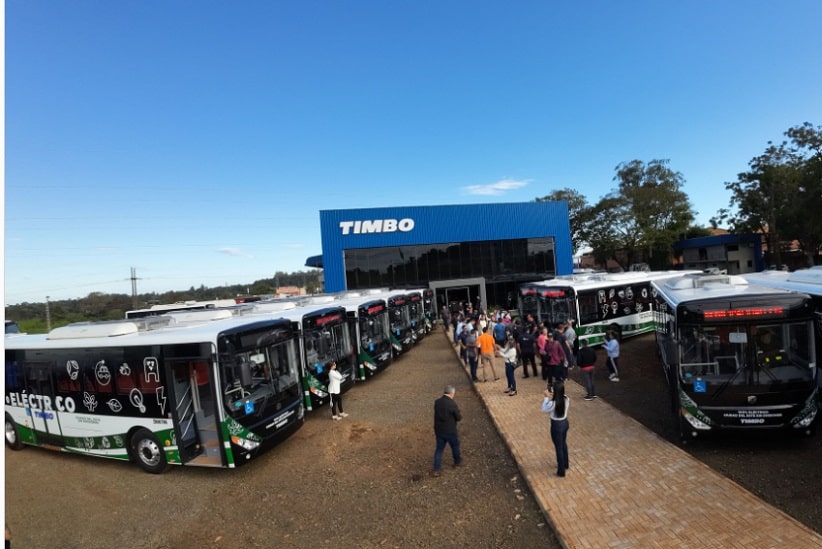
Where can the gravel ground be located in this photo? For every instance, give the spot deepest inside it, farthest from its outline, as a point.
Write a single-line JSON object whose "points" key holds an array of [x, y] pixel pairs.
{"points": [[358, 483]]}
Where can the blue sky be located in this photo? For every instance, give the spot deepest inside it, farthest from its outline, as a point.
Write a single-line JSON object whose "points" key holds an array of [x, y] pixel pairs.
{"points": [[197, 141]]}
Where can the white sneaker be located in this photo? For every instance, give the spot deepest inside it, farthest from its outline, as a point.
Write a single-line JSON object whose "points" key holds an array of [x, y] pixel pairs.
{"points": [[336, 417], [343, 414], [611, 377], [615, 378]]}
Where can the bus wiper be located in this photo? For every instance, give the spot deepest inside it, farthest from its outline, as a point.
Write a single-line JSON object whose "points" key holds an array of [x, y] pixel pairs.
{"points": [[730, 380]]}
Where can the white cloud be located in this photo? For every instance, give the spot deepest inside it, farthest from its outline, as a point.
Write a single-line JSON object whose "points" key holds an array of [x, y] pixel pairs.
{"points": [[236, 252], [496, 188]]}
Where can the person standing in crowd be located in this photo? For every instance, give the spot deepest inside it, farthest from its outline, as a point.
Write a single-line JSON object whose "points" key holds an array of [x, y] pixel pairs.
{"points": [[570, 336], [556, 403], [458, 329], [334, 380], [445, 314], [508, 351], [487, 348], [542, 350], [500, 332], [555, 358], [527, 346], [466, 331], [470, 343], [612, 350], [446, 416], [586, 358]]}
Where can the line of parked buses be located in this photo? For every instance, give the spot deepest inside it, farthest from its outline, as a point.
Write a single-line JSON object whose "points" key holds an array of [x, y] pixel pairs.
{"points": [[217, 383]]}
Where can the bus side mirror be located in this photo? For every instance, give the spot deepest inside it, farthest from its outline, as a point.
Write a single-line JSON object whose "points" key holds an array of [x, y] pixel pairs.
{"points": [[245, 373]]}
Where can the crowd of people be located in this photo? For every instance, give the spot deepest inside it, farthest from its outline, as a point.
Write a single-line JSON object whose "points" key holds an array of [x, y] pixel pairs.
{"points": [[525, 343], [482, 336]]}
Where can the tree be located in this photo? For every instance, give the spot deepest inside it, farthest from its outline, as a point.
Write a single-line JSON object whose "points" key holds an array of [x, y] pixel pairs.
{"points": [[780, 195], [805, 225], [578, 210], [643, 217]]}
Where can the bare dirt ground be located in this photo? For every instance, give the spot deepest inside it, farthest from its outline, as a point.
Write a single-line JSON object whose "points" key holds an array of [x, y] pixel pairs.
{"points": [[782, 470], [363, 482]]}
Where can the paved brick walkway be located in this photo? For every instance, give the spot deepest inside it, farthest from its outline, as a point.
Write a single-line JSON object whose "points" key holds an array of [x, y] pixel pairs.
{"points": [[627, 487]]}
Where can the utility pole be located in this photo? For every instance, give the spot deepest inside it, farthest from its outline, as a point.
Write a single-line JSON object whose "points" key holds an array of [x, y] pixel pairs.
{"points": [[133, 288], [48, 315]]}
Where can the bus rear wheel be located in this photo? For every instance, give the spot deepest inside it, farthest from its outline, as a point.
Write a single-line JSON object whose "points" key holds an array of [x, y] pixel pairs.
{"points": [[148, 453], [12, 434]]}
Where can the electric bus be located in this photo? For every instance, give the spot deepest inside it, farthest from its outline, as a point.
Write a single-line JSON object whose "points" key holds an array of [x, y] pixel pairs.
{"points": [[429, 303], [736, 355], [325, 336], [597, 302], [399, 319], [368, 318], [417, 316], [147, 390]]}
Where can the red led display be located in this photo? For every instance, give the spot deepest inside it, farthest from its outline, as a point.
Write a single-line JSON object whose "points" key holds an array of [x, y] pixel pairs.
{"points": [[327, 319], [375, 309], [747, 312], [553, 293]]}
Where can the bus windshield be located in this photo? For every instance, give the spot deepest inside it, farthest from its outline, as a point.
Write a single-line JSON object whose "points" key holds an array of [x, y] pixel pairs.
{"points": [[254, 378], [372, 331], [326, 344], [749, 354]]}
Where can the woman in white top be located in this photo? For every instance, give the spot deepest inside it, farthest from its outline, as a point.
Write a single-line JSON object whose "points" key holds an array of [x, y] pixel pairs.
{"points": [[557, 403], [334, 380], [509, 354]]}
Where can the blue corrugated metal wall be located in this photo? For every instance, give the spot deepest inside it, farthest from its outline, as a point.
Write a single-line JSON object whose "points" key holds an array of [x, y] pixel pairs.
{"points": [[439, 224]]}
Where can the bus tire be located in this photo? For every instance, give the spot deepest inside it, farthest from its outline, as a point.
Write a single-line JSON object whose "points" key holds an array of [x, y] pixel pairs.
{"points": [[12, 434], [147, 452]]}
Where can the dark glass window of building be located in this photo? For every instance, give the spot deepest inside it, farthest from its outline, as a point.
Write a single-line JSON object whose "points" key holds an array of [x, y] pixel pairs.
{"points": [[494, 260]]}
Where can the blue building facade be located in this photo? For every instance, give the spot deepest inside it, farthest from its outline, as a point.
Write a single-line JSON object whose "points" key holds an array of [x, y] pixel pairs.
{"points": [[478, 252]]}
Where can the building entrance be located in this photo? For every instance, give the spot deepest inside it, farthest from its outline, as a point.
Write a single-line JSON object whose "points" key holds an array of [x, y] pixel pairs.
{"points": [[455, 294]]}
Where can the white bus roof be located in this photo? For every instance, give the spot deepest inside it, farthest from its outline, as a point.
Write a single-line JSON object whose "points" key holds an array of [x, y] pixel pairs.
{"points": [[591, 281], [161, 330], [695, 287], [808, 281]]}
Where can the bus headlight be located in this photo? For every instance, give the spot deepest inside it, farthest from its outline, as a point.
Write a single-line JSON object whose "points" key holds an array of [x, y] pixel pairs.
{"points": [[244, 443], [319, 393], [806, 420], [694, 422]]}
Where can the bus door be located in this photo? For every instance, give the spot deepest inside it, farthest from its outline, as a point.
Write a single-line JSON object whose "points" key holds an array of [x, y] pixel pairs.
{"points": [[196, 422], [41, 405]]}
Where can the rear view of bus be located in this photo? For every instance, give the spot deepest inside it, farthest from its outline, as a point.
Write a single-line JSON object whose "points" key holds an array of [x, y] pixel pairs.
{"points": [[736, 356]]}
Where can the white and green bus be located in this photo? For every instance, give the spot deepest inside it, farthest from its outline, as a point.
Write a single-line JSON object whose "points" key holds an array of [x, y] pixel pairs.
{"points": [[597, 302], [154, 391]]}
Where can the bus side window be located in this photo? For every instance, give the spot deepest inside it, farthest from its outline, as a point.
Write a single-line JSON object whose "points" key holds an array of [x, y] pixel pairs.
{"points": [[125, 382], [64, 382], [13, 375], [200, 369]]}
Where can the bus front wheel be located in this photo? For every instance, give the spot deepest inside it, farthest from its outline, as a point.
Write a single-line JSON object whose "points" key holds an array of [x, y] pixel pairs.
{"points": [[12, 434], [148, 453]]}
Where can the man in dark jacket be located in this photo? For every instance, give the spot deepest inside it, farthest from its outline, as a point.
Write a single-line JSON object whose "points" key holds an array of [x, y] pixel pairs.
{"points": [[446, 416]]}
